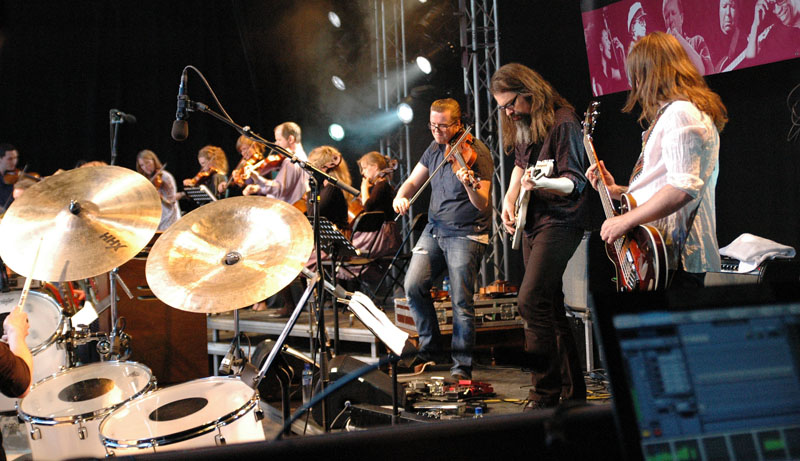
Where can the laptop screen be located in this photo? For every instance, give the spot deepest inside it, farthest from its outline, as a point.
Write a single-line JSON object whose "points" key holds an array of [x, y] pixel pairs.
{"points": [[710, 374]]}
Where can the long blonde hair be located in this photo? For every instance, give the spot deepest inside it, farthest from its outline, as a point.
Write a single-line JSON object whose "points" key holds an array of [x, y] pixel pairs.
{"points": [[330, 160], [148, 154], [216, 158], [660, 71], [544, 100]]}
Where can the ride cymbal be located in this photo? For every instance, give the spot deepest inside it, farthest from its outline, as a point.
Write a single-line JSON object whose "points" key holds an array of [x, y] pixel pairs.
{"points": [[87, 220], [229, 254]]}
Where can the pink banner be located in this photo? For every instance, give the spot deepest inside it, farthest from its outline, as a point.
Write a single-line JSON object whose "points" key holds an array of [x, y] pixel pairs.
{"points": [[718, 35]]}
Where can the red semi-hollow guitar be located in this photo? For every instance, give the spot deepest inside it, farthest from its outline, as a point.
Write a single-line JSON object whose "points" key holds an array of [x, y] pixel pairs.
{"points": [[639, 256]]}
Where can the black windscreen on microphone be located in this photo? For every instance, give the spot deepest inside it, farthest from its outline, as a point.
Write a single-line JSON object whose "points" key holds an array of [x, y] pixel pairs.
{"points": [[180, 130]]}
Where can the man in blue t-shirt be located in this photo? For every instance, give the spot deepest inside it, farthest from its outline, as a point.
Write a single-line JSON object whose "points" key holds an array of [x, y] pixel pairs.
{"points": [[454, 239]]}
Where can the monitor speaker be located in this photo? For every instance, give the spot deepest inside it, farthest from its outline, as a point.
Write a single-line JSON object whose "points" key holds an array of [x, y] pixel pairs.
{"points": [[374, 388]]}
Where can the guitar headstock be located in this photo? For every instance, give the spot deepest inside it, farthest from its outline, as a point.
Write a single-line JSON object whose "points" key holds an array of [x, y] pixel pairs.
{"points": [[590, 118]]}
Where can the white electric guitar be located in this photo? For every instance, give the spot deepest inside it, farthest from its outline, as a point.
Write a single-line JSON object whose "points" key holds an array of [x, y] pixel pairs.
{"points": [[542, 169]]}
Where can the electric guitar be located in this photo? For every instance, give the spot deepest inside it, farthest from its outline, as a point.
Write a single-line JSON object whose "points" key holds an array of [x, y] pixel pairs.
{"points": [[541, 169], [639, 256]]}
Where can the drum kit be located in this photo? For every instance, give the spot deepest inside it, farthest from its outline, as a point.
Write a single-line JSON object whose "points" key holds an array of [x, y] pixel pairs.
{"points": [[221, 257]]}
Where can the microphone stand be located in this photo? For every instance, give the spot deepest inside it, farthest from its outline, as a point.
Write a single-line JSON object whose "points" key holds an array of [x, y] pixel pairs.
{"points": [[317, 178], [114, 122]]}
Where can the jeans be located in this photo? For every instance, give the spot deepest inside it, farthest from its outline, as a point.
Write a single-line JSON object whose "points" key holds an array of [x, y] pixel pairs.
{"points": [[549, 343], [461, 257]]}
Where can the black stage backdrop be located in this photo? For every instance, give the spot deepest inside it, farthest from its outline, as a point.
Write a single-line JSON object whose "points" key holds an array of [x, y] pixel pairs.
{"points": [[63, 65]]}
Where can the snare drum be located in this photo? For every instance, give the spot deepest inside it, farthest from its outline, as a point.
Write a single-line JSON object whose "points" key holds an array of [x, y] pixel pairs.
{"points": [[200, 413], [46, 326], [63, 412]]}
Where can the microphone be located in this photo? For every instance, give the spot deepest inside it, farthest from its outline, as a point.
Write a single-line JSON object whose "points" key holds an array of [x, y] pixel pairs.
{"points": [[180, 127], [228, 361], [118, 116]]}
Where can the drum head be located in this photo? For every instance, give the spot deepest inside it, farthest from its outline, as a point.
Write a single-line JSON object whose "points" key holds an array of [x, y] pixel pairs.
{"points": [[44, 316], [85, 392], [176, 413]]}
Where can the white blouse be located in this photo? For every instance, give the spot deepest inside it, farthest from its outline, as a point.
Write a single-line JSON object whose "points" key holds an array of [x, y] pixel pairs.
{"points": [[683, 151]]}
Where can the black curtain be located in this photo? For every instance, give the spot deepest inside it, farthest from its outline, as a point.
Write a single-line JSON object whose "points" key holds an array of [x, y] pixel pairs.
{"points": [[63, 65]]}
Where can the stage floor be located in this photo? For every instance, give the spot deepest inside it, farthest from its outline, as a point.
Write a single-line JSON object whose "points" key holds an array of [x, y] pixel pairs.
{"points": [[497, 361]]}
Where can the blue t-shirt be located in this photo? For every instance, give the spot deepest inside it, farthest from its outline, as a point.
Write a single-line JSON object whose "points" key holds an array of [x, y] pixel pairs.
{"points": [[450, 211]]}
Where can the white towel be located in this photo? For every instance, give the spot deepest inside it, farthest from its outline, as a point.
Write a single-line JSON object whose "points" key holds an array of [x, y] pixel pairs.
{"points": [[751, 250]]}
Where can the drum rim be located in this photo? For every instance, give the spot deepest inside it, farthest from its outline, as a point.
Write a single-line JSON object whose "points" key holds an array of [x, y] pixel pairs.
{"points": [[180, 436], [45, 421], [59, 328]]}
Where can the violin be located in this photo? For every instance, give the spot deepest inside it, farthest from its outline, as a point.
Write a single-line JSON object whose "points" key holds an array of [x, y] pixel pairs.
{"points": [[12, 176], [263, 166], [238, 174], [203, 174], [461, 154], [454, 153], [156, 179]]}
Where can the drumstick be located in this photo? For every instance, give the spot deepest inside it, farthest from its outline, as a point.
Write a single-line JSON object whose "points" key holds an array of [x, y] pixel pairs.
{"points": [[27, 287]]}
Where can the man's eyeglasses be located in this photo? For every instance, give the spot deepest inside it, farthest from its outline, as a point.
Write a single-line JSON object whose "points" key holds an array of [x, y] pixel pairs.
{"points": [[441, 126], [510, 105]]}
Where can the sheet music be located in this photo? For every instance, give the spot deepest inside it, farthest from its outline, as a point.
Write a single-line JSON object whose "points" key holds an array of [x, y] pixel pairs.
{"points": [[378, 323]]}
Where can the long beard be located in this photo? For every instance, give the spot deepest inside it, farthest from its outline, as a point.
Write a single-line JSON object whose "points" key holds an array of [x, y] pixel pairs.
{"points": [[523, 131]]}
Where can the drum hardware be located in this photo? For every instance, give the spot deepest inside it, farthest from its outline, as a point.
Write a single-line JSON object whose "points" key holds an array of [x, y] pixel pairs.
{"points": [[82, 432], [234, 358]]}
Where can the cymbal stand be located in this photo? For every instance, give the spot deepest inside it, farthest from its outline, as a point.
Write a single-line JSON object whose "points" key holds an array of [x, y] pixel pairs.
{"points": [[248, 374]]}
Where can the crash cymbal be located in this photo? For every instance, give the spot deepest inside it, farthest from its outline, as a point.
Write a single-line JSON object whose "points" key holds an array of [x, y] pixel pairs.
{"points": [[88, 221], [229, 254]]}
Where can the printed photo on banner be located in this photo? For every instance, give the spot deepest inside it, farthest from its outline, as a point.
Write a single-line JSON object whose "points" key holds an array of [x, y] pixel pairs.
{"points": [[718, 35]]}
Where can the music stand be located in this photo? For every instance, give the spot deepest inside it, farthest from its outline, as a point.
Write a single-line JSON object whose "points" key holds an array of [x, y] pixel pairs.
{"points": [[336, 245], [200, 194]]}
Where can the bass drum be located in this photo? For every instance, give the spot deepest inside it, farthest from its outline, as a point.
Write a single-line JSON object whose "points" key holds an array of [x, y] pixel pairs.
{"points": [[200, 413], [63, 412], [46, 327]]}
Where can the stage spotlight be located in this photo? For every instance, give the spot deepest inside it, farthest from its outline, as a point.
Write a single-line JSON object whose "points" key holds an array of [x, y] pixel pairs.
{"points": [[336, 132], [423, 64], [338, 83], [334, 19], [405, 113]]}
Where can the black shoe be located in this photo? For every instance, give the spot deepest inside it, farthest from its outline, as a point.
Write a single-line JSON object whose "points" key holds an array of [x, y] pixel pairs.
{"points": [[534, 405], [461, 377]]}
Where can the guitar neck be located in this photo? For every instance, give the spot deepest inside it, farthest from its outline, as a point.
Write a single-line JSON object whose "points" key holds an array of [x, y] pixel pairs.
{"points": [[602, 188]]}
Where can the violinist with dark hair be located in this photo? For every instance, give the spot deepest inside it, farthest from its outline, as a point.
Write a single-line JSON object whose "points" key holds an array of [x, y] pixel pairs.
{"points": [[8, 165], [456, 236]]}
